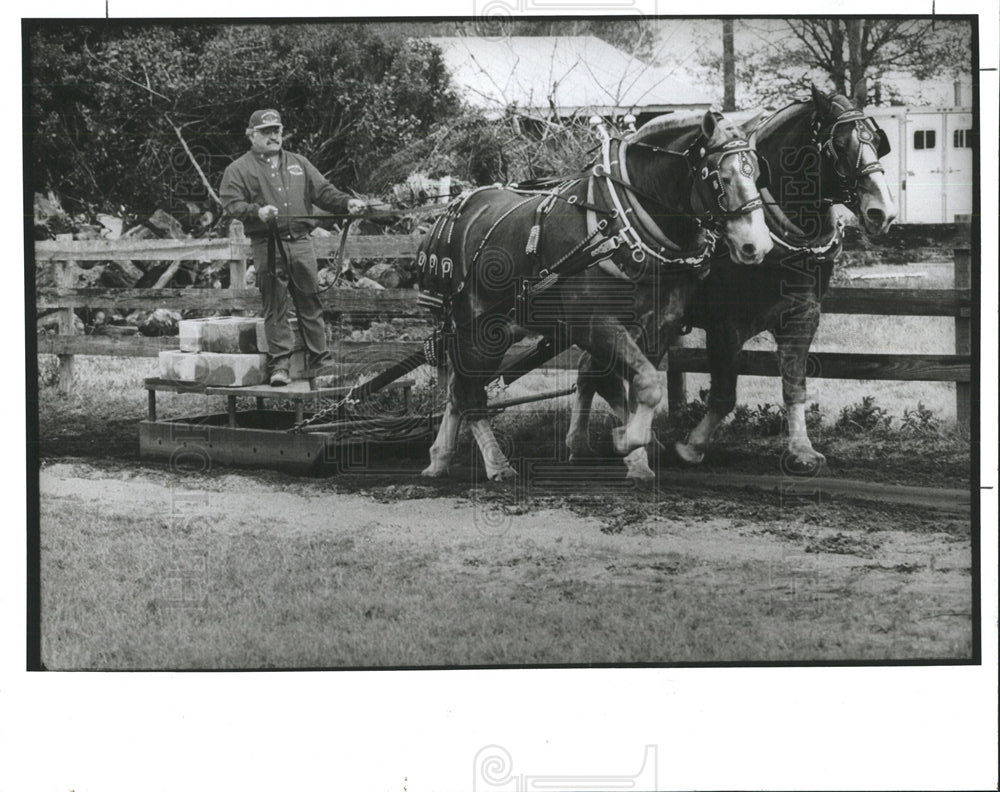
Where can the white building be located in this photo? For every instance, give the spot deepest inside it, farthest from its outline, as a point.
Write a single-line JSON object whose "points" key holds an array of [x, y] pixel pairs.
{"points": [[565, 76], [930, 169]]}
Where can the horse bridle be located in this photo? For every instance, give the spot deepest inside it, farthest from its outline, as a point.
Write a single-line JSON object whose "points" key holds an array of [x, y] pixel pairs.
{"points": [[705, 164], [711, 164], [869, 134]]}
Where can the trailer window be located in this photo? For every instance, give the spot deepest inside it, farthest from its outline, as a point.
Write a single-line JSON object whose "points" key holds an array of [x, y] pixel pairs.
{"points": [[962, 138], [924, 139]]}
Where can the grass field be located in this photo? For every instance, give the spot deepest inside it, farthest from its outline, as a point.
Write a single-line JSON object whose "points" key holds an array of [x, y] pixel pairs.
{"points": [[147, 569]]}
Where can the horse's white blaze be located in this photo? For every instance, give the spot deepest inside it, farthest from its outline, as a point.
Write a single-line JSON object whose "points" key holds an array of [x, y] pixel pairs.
{"points": [[748, 230], [874, 193], [747, 236]]}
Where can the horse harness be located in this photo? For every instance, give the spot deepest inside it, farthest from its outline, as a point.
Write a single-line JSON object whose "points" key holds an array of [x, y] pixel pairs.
{"points": [[869, 134], [632, 227]]}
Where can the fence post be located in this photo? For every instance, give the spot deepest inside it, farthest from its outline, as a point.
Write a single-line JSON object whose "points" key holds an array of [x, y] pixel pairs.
{"points": [[963, 334], [237, 263], [64, 278]]}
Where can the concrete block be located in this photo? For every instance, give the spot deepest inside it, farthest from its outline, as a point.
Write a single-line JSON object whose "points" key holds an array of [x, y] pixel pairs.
{"points": [[235, 334], [230, 334], [190, 331], [214, 368]]}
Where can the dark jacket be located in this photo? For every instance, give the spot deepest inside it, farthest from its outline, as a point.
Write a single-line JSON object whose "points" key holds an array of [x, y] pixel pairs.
{"points": [[294, 185]]}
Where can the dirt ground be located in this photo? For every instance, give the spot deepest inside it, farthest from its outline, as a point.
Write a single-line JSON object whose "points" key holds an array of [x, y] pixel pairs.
{"points": [[147, 567]]}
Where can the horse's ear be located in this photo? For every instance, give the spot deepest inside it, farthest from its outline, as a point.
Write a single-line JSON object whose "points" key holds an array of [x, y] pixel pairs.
{"points": [[709, 123], [820, 99]]}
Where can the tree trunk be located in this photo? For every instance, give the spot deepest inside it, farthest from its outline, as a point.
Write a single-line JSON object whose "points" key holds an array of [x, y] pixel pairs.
{"points": [[859, 82], [838, 66], [728, 67]]}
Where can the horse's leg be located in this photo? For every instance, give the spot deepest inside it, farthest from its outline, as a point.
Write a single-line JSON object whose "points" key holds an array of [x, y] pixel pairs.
{"points": [[608, 340], [657, 341], [479, 355], [794, 334], [447, 437], [471, 400], [497, 466], [723, 342], [637, 461], [592, 379], [578, 435]]}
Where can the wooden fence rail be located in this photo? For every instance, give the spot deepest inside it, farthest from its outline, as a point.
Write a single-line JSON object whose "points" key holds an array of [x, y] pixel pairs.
{"points": [[358, 303]]}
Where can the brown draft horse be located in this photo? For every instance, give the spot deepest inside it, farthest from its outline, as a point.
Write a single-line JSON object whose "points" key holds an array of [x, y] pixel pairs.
{"points": [[588, 261], [820, 152]]}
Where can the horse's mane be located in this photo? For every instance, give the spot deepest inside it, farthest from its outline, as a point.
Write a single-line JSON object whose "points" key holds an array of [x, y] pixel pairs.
{"points": [[832, 105], [674, 125]]}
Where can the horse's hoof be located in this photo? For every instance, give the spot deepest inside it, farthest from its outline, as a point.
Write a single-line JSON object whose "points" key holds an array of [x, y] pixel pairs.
{"points": [[802, 461], [638, 466], [504, 474], [640, 472], [432, 471], [689, 455]]}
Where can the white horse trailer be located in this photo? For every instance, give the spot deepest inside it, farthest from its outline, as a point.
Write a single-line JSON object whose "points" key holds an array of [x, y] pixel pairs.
{"points": [[930, 167]]}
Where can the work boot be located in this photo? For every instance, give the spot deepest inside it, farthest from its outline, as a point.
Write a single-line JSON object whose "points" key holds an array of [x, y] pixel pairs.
{"points": [[279, 378]]}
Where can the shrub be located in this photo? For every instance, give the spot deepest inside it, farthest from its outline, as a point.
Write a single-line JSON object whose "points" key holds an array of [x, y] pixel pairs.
{"points": [[768, 420], [764, 420], [689, 415], [814, 417], [920, 421], [350, 95], [863, 416]]}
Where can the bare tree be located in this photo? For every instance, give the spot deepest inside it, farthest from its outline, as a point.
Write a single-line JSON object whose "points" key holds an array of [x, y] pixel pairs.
{"points": [[728, 67], [857, 56]]}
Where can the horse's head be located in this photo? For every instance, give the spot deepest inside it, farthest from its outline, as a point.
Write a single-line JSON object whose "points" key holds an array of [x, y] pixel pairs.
{"points": [[851, 145], [727, 178]]}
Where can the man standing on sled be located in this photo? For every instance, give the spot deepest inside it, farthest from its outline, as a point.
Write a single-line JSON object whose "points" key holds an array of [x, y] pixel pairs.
{"points": [[273, 192]]}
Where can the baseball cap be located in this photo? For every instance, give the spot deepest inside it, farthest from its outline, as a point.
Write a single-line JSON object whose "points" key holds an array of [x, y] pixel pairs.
{"points": [[264, 118]]}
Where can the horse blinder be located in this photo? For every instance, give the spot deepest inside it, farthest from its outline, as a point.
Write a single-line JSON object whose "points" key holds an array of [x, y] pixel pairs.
{"points": [[764, 177], [882, 147]]}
